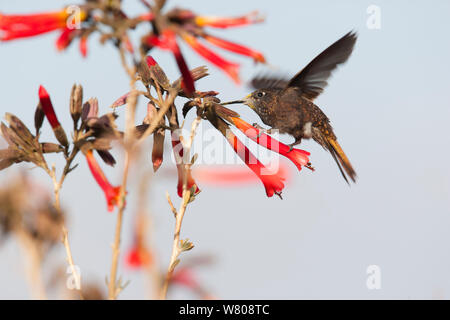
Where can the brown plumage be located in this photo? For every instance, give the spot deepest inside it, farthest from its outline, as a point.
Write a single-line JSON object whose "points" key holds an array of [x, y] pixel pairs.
{"points": [[287, 105]]}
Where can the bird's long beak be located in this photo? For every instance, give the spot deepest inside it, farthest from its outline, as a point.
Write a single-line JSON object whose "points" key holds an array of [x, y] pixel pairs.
{"points": [[233, 102], [245, 100]]}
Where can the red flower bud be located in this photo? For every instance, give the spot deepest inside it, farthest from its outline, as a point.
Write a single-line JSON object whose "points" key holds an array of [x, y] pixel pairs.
{"points": [[50, 114]]}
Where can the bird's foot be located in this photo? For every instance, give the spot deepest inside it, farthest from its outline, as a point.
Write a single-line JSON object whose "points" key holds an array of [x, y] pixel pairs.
{"points": [[261, 130], [291, 146], [279, 194]]}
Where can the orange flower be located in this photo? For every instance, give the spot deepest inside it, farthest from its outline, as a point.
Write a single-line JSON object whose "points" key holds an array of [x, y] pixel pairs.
{"points": [[112, 194], [224, 22], [232, 69], [29, 25], [236, 48]]}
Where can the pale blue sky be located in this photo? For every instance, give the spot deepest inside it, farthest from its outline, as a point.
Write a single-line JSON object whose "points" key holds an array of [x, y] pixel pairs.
{"points": [[389, 105]]}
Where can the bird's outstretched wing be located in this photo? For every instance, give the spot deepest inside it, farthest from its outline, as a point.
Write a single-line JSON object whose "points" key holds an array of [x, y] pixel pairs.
{"points": [[269, 81], [313, 78]]}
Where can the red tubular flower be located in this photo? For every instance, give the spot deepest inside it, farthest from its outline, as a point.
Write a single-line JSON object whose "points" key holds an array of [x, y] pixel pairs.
{"points": [[83, 46], [297, 156], [14, 21], [21, 26], [112, 194], [167, 41], [65, 38], [221, 22], [138, 257], [185, 277], [232, 69], [234, 47], [230, 175], [50, 114], [273, 183], [47, 106], [178, 148], [223, 175], [14, 34]]}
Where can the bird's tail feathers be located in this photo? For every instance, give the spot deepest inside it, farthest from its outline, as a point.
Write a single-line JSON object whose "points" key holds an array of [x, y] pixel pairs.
{"points": [[341, 159]]}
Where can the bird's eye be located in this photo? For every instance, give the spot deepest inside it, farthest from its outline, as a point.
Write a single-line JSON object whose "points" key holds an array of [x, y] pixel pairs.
{"points": [[260, 94]]}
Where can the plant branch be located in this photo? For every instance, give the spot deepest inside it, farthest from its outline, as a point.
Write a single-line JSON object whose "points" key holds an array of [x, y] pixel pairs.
{"points": [[57, 185], [115, 287], [34, 275], [177, 249]]}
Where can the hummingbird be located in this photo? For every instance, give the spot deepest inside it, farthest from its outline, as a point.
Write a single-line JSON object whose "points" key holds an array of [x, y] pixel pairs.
{"points": [[288, 105]]}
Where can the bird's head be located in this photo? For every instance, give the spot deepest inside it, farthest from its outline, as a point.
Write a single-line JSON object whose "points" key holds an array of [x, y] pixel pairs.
{"points": [[258, 100]]}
